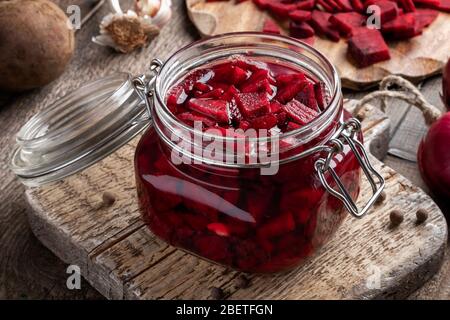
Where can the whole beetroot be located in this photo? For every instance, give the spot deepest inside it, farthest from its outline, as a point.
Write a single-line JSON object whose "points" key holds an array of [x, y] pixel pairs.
{"points": [[35, 44]]}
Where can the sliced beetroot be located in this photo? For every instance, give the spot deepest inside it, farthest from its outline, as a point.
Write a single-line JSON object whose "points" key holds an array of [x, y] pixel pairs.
{"points": [[306, 4], [292, 126], [368, 47], [307, 96], [216, 109], [262, 85], [325, 5], [229, 73], [321, 94], [281, 9], [252, 104], [264, 122], [229, 93], [215, 94], [432, 4], [300, 30], [290, 90], [388, 10], [402, 27], [407, 5], [287, 78], [300, 15], [299, 113], [357, 5], [345, 5], [425, 17], [275, 107], [445, 5], [271, 27], [322, 26], [277, 226], [191, 117], [346, 22]]}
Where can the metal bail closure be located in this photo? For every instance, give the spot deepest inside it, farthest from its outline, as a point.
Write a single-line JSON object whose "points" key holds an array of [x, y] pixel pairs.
{"points": [[143, 88], [346, 135]]}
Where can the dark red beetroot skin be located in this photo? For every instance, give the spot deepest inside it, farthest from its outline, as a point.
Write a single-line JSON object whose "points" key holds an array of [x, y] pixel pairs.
{"points": [[237, 217]]}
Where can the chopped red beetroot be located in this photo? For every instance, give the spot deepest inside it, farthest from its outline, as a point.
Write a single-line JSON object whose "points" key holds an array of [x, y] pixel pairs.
{"points": [[300, 15], [216, 109], [425, 17], [229, 94], [230, 74], [445, 5], [402, 27], [322, 26], [258, 101], [290, 90], [215, 94], [299, 113], [277, 226], [281, 9], [306, 5], [252, 104], [346, 22], [321, 94], [388, 10], [190, 117], [307, 96], [432, 4], [293, 126], [357, 5], [300, 30], [275, 107], [407, 5], [368, 47], [271, 27], [264, 122], [219, 228]]}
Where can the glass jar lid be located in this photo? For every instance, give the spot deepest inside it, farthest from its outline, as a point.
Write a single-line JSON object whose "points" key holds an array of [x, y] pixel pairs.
{"points": [[79, 129]]}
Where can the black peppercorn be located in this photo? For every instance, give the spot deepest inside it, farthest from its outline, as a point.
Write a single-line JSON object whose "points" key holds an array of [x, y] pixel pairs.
{"points": [[216, 293], [396, 217], [422, 215]]}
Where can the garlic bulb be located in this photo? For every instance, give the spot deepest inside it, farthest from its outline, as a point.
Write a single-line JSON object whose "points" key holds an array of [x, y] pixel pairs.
{"points": [[158, 12], [128, 31]]}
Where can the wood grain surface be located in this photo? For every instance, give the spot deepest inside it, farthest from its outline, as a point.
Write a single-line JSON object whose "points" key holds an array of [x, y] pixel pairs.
{"points": [[30, 271], [121, 258], [414, 59]]}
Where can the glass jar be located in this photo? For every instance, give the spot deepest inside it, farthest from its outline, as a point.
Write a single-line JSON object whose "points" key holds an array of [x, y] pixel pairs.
{"points": [[230, 212], [255, 215]]}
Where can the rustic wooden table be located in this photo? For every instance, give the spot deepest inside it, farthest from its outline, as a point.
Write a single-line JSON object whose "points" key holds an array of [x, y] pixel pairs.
{"points": [[30, 271]]}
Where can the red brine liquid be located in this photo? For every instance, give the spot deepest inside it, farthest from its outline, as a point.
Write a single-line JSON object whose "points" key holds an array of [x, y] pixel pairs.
{"points": [[236, 216]]}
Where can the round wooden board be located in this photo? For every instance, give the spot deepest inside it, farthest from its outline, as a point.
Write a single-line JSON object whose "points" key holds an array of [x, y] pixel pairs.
{"points": [[414, 59], [122, 259]]}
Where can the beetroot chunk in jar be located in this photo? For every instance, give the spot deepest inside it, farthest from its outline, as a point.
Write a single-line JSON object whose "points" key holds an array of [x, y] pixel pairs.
{"points": [[229, 171]]}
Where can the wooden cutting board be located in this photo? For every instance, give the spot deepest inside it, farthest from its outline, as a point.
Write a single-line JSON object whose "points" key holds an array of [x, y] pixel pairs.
{"points": [[121, 258], [414, 59]]}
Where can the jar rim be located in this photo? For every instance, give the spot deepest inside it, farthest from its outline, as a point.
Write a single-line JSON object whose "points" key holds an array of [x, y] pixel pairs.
{"points": [[320, 120]]}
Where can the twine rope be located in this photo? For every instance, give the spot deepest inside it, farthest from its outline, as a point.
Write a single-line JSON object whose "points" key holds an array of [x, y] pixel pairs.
{"points": [[406, 92]]}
